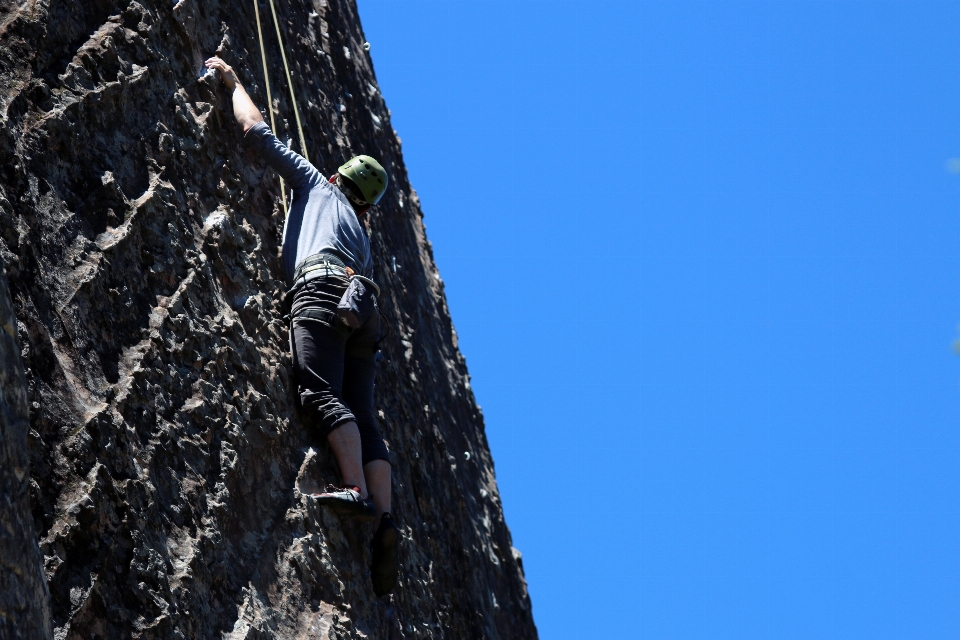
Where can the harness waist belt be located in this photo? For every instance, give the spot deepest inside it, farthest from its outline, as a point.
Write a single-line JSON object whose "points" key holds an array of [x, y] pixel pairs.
{"points": [[311, 266], [316, 314]]}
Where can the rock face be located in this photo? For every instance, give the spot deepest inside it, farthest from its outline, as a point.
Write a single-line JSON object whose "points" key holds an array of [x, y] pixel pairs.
{"points": [[24, 600], [166, 456]]}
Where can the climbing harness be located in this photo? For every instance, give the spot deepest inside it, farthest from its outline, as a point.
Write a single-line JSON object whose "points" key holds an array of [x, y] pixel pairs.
{"points": [[326, 262], [266, 77], [357, 302]]}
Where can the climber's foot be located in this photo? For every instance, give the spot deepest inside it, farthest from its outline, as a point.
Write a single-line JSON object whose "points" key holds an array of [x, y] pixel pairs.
{"points": [[347, 501], [385, 565]]}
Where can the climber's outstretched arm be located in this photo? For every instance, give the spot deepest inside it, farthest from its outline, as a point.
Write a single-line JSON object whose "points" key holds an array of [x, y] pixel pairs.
{"points": [[292, 167], [244, 110]]}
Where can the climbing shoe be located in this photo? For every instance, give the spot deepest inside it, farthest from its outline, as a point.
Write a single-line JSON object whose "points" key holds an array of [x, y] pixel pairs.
{"points": [[347, 501], [385, 565]]}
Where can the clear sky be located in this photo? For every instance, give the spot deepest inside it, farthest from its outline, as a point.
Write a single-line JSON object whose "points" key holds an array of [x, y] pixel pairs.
{"points": [[702, 258]]}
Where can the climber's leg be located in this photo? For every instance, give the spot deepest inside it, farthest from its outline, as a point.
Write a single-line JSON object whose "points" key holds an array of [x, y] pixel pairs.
{"points": [[359, 380], [377, 474], [351, 498], [318, 358], [345, 442], [318, 365], [359, 376], [385, 554], [386, 539]]}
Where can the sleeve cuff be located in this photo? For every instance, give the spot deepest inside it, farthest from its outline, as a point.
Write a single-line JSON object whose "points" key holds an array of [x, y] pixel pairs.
{"points": [[256, 134]]}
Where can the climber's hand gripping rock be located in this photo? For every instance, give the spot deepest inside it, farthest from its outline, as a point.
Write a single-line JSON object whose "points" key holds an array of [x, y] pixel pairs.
{"points": [[244, 110], [227, 75]]}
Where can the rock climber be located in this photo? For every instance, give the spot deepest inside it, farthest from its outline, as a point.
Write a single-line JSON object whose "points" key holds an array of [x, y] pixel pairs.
{"points": [[324, 247]]}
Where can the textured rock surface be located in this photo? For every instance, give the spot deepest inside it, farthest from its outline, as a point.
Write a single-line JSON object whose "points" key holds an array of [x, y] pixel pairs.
{"points": [[141, 244], [24, 611]]}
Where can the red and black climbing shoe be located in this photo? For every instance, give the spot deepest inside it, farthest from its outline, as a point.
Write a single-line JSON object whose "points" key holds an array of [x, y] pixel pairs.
{"points": [[347, 501], [385, 564]]}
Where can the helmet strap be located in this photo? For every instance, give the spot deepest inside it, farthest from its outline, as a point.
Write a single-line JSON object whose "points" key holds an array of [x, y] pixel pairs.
{"points": [[360, 207], [356, 201]]}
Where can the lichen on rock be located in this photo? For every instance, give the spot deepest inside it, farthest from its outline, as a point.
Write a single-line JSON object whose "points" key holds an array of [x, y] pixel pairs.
{"points": [[168, 463]]}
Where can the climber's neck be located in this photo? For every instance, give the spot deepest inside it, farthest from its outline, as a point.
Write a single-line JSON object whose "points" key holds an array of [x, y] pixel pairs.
{"points": [[360, 210]]}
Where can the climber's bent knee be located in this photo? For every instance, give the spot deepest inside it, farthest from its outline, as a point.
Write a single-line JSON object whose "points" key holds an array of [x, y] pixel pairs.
{"points": [[336, 369], [318, 366], [325, 430]]}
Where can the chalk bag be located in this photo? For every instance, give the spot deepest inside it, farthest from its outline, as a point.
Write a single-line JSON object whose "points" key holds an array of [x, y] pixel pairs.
{"points": [[358, 302]]}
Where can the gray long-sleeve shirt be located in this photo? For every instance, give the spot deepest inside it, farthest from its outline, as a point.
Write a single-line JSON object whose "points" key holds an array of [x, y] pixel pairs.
{"points": [[320, 219]]}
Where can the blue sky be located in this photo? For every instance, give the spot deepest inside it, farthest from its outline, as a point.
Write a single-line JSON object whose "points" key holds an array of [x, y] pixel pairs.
{"points": [[702, 260]]}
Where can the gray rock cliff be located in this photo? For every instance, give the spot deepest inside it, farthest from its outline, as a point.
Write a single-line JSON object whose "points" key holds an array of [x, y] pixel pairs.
{"points": [[24, 600], [166, 457]]}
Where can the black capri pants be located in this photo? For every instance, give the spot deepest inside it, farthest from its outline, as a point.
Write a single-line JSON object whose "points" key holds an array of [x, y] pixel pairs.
{"points": [[335, 366]]}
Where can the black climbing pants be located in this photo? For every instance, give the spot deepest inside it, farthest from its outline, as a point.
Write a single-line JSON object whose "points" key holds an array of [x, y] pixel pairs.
{"points": [[335, 367]]}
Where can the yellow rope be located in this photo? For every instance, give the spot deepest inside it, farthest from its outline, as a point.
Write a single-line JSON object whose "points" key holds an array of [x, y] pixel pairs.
{"points": [[266, 78], [293, 99]]}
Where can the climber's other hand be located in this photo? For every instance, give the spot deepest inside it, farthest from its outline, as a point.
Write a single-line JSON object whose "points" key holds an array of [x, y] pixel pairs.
{"points": [[227, 74]]}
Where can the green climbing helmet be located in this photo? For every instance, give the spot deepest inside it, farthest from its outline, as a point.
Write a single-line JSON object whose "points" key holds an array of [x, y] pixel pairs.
{"points": [[368, 175]]}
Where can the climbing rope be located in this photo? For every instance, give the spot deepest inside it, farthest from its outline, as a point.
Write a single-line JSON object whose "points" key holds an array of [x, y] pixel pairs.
{"points": [[266, 78], [286, 68]]}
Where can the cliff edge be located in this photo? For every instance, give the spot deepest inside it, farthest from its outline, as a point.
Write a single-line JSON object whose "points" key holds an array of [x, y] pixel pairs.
{"points": [[166, 456]]}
